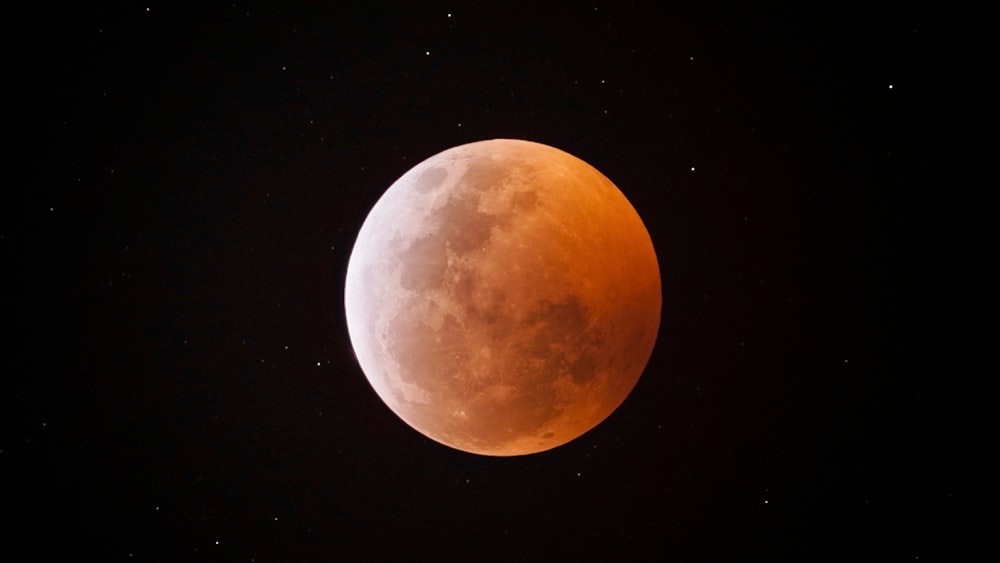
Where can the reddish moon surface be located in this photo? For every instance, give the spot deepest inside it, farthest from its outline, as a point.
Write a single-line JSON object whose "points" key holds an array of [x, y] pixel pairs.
{"points": [[503, 297]]}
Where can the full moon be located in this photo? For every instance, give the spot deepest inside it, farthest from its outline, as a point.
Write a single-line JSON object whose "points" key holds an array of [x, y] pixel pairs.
{"points": [[503, 297]]}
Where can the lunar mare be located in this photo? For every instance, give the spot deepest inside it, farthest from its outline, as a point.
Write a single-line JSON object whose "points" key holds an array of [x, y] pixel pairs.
{"points": [[503, 297]]}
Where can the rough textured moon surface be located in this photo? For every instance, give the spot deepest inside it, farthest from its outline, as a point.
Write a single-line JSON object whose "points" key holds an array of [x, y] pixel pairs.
{"points": [[503, 297]]}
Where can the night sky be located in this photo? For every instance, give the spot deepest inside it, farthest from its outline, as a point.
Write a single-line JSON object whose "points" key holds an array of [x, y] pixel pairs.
{"points": [[185, 188]]}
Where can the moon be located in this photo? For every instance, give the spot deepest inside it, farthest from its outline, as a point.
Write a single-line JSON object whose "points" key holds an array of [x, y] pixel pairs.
{"points": [[503, 297]]}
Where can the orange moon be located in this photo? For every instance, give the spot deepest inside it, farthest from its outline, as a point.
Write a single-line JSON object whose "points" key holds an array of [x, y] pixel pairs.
{"points": [[503, 297]]}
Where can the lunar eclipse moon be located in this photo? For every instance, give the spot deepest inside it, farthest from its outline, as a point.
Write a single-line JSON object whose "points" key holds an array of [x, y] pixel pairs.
{"points": [[503, 297]]}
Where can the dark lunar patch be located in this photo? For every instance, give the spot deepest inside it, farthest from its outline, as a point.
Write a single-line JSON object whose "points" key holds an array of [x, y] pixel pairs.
{"points": [[430, 179], [524, 201], [464, 285], [424, 264], [408, 349], [427, 358], [463, 227], [493, 311], [582, 366], [484, 174], [484, 305], [564, 342]]}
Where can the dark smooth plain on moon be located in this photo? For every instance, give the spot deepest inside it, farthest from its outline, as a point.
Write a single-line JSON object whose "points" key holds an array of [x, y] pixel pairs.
{"points": [[503, 297]]}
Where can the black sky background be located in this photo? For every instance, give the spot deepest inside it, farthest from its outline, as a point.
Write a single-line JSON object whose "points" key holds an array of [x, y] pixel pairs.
{"points": [[190, 181]]}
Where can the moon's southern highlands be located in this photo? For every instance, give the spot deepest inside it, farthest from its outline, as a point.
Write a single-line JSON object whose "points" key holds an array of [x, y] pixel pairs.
{"points": [[503, 297]]}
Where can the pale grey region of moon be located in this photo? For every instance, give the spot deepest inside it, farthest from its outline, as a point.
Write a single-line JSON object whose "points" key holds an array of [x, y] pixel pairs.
{"points": [[503, 297]]}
